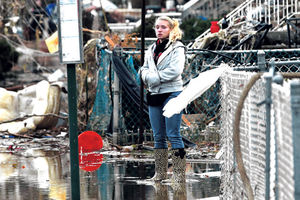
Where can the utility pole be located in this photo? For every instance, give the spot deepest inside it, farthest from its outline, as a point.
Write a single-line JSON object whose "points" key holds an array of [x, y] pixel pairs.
{"points": [[141, 129]]}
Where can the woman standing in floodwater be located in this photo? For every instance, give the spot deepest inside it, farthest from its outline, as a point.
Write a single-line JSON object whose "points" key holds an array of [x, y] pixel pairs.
{"points": [[161, 73]]}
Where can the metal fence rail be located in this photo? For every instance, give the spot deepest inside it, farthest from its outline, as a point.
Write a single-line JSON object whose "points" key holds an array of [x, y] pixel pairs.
{"points": [[282, 136]]}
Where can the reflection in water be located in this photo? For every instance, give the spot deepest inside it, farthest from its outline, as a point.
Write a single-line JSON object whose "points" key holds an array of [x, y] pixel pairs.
{"points": [[179, 191], [161, 191], [119, 179], [39, 174], [90, 161]]}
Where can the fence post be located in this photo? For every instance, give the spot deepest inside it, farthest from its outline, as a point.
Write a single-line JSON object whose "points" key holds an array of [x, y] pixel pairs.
{"points": [[141, 127], [116, 108], [268, 102], [73, 132], [287, 21], [295, 106], [261, 60]]}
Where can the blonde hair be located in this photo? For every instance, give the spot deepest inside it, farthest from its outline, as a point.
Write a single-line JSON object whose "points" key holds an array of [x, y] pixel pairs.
{"points": [[176, 32]]}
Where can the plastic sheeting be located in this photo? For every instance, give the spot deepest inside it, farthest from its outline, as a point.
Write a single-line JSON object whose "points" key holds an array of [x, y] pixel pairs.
{"points": [[100, 119], [128, 83], [195, 89]]}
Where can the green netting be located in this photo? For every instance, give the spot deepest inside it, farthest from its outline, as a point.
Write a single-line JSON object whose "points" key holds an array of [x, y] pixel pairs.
{"points": [[100, 118]]}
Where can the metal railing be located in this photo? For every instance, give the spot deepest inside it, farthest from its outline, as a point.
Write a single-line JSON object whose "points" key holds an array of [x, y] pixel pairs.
{"points": [[293, 23], [270, 12]]}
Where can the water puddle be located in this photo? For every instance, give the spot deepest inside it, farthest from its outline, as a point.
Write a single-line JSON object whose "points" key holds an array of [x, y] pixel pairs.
{"points": [[41, 170]]}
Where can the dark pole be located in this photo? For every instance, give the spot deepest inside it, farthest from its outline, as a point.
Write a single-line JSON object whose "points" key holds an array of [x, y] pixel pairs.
{"points": [[289, 32], [141, 129], [73, 135]]}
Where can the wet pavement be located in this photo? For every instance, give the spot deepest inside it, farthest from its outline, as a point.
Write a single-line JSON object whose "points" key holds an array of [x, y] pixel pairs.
{"points": [[40, 169]]}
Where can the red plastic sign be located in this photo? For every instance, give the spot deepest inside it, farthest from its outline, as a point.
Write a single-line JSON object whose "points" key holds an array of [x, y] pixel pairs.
{"points": [[88, 143]]}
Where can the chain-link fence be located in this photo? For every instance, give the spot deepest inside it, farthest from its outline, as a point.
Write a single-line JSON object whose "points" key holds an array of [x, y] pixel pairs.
{"points": [[232, 88], [282, 158], [205, 109], [266, 142], [217, 107]]}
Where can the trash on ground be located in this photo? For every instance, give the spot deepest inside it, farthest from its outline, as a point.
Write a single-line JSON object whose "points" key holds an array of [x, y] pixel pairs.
{"points": [[28, 109]]}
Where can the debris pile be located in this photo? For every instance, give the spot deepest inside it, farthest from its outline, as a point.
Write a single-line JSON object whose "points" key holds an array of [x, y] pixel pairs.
{"points": [[240, 35], [30, 108]]}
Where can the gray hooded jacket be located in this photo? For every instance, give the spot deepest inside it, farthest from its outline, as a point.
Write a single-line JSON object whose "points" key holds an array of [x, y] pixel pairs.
{"points": [[166, 75]]}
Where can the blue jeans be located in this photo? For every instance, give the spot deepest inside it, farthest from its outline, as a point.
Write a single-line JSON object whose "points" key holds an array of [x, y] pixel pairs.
{"points": [[165, 128]]}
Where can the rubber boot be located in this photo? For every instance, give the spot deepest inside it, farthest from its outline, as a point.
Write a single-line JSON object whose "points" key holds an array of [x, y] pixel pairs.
{"points": [[179, 191], [161, 191], [179, 165], [161, 164]]}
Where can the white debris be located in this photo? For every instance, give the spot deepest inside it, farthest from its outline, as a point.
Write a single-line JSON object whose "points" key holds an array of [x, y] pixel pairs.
{"points": [[39, 99], [195, 88]]}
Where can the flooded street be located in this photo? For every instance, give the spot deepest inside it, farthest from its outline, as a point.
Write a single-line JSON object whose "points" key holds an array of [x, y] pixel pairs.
{"points": [[41, 170]]}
